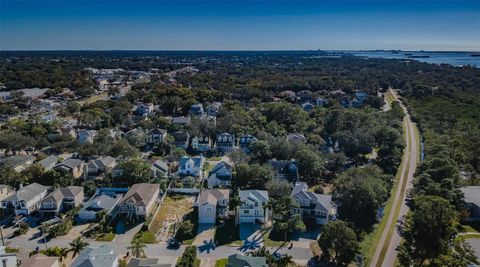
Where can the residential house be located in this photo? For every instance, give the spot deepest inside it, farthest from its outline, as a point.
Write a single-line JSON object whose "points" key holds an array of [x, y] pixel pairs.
{"points": [[295, 137], [220, 175], [102, 201], [238, 260], [40, 260], [471, 197], [66, 132], [253, 208], [73, 166], [288, 95], [143, 109], [197, 110], [100, 165], [181, 139], [321, 102], [26, 199], [61, 200], [102, 256], [191, 166], [156, 136], [139, 201], [212, 203], [181, 121], [318, 207], [6, 191], [159, 168], [225, 142], [305, 95], [286, 170], [359, 100], [307, 106], [213, 109], [49, 162], [8, 259], [136, 136], [19, 162], [86, 136], [201, 144], [245, 141]]}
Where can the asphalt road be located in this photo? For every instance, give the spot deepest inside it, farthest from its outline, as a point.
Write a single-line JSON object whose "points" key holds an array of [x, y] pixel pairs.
{"points": [[388, 258]]}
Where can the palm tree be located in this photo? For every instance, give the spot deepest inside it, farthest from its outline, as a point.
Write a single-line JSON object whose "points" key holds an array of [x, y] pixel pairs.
{"points": [[77, 245], [63, 253], [137, 246]]}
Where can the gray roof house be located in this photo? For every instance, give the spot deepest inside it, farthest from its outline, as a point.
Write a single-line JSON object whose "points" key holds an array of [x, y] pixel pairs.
{"points": [[311, 205], [212, 203], [139, 201], [295, 137], [212, 109], [72, 166], [159, 167], [285, 169], [164, 261], [105, 201], [19, 162], [237, 260], [156, 136], [220, 175], [86, 136], [102, 256], [49, 162], [253, 208], [184, 121], [225, 142], [26, 200], [61, 199], [100, 165], [245, 141], [181, 139], [197, 110], [471, 196]]}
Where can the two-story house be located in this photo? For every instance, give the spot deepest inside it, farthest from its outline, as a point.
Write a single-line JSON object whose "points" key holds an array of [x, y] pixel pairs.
{"points": [[49, 162], [19, 162], [102, 256], [59, 133], [245, 141], [61, 199], [100, 166], [156, 136], [286, 170], [225, 142], [220, 175], [102, 201], [201, 144], [212, 203], [139, 201], [315, 206], [26, 200], [159, 168], [191, 166], [197, 110], [73, 166], [86, 136], [181, 139], [213, 109], [253, 208], [143, 109]]}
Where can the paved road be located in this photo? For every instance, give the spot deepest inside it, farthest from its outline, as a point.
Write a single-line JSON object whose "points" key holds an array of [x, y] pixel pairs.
{"points": [[406, 178], [475, 244]]}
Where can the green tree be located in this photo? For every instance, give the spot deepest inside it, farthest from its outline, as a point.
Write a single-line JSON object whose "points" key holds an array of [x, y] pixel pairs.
{"points": [[137, 247], [77, 245], [135, 171], [252, 176], [189, 257], [338, 243]]}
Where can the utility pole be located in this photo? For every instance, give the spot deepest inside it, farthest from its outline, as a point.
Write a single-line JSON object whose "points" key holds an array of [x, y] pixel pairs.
{"points": [[1, 234]]}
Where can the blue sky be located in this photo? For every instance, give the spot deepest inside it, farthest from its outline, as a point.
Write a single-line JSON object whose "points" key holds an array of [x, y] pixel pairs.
{"points": [[240, 25]]}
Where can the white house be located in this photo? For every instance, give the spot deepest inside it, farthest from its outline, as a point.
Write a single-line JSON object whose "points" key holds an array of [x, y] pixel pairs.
{"points": [[139, 201], [159, 168], [104, 201], [102, 256], [201, 144], [212, 203], [26, 200], [191, 166], [220, 175], [253, 208], [318, 207]]}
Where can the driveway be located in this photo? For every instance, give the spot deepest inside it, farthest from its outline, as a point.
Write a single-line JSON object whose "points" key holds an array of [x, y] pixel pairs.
{"points": [[251, 235], [205, 234]]}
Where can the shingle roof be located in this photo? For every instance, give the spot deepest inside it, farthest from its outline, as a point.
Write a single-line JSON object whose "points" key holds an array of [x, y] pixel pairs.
{"points": [[322, 201], [71, 163], [48, 161], [238, 260], [102, 256], [212, 196], [29, 192], [197, 160], [254, 195], [60, 193], [18, 160], [140, 194]]}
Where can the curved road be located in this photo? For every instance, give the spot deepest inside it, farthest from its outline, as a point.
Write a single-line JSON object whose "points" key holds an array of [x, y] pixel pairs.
{"points": [[385, 252]]}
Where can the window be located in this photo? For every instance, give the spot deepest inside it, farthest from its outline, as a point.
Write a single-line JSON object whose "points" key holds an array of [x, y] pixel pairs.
{"points": [[246, 211]]}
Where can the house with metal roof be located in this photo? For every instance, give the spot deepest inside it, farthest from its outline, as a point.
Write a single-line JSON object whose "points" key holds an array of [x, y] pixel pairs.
{"points": [[61, 199], [102, 256], [139, 201], [191, 166], [253, 206], [318, 207], [212, 203]]}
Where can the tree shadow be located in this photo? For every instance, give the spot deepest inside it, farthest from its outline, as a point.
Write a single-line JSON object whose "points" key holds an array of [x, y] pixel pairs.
{"points": [[208, 245]]}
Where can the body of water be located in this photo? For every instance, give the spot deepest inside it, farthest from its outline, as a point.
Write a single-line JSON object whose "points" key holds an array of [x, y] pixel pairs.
{"points": [[452, 58]]}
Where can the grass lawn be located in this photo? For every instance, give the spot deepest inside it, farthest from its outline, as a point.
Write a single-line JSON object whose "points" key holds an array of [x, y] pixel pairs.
{"points": [[105, 237], [228, 233], [146, 237], [221, 263], [467, 236], [214, 159], [269, 242], [11, 250], [471, 227]]}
